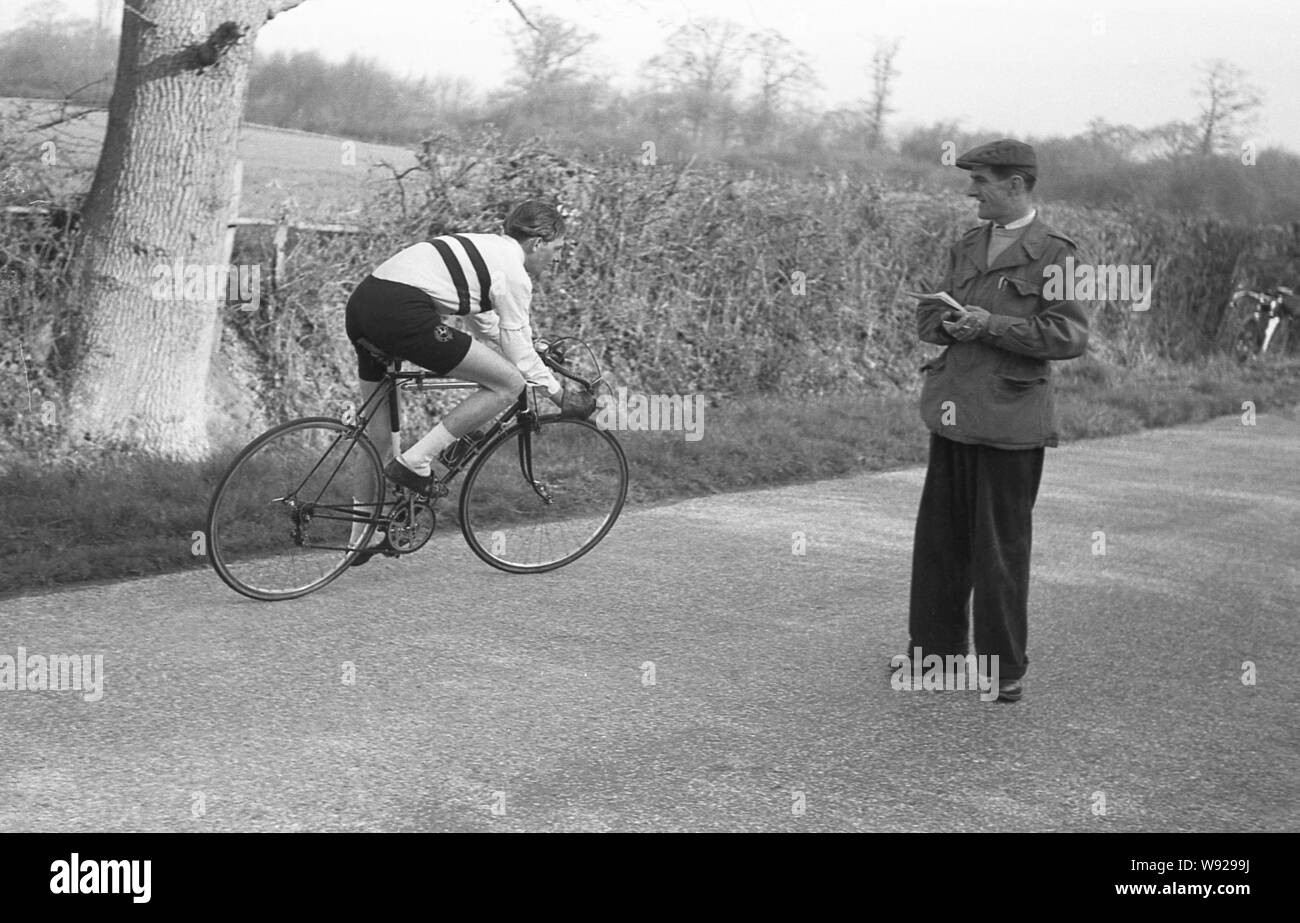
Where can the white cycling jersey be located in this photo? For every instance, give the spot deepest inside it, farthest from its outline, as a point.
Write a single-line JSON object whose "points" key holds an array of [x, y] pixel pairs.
{"points": [[482, 278]]}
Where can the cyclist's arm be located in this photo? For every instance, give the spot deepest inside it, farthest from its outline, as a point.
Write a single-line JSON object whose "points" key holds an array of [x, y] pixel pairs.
{"points": [[485, 327], [515, 334]]}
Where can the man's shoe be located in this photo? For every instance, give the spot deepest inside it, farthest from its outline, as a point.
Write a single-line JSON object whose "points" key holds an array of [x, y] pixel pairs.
{"points": [[379, 547], [1010, 690], [399, 473]]}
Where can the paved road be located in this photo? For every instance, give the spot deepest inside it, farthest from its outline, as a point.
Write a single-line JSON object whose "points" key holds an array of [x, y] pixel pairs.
{"points": [[485, 701]]}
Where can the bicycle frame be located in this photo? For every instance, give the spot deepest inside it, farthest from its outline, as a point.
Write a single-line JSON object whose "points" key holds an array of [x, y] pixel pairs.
{"points": [[395, 381], [522, 413]]}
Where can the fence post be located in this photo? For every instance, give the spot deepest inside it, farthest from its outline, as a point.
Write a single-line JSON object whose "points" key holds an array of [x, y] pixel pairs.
{"points": [[281, 238], [228, 254]]}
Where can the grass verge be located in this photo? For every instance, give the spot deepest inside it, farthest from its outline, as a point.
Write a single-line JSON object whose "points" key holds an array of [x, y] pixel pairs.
{"points": [[130, 517]]}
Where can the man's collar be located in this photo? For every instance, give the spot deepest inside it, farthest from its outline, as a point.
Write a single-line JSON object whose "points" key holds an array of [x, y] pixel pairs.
{"points": [[1020, 222], [1031, 244]]}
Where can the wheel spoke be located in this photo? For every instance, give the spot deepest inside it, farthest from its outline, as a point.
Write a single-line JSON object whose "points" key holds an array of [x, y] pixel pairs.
{"points": [[281, 521], [581, 483]]}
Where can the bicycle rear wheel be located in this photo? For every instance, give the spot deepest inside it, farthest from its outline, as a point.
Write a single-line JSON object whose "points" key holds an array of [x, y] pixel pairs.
{"points": [[581, 483], [281, 519], [1248, 340]]}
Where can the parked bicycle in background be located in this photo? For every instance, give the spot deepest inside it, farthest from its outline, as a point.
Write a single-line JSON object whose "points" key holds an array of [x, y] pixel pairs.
{"points": [[1269, 317]]}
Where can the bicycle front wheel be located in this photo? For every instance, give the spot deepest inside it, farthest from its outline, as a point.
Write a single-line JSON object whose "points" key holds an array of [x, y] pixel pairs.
{"points": [[579, 484], [281, 520]]}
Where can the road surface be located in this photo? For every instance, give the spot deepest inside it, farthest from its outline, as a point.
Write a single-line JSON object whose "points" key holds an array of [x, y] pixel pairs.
{"points": [[694, 673]]}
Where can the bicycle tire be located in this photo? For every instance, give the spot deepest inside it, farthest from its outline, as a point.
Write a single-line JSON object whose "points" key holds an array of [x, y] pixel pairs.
{"points": [[280, 521], [511, 527]]}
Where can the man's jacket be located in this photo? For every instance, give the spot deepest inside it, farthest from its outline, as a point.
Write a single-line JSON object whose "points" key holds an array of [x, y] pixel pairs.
{"points": [[996, 390]]}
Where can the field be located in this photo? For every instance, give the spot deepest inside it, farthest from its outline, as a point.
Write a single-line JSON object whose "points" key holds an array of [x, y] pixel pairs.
{"points": [[313, 178]]}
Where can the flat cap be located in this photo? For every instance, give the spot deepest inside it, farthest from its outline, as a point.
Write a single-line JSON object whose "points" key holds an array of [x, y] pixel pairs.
{"points": [[1002, 153]]}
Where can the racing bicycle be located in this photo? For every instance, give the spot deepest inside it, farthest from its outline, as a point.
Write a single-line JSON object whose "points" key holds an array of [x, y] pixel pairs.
{"points": [[540, 489]]}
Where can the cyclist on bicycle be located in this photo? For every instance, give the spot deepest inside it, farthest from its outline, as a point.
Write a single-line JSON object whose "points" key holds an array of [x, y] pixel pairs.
{"points": [[487, 278]]}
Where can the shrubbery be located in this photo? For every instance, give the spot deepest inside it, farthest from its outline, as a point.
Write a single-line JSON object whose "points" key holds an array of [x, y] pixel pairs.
{"points": [[710, 278], [686, 277]]}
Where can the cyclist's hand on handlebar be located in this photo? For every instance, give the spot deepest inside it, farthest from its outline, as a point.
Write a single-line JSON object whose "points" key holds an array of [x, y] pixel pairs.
{"points": [[556, 397], [576, 401]]}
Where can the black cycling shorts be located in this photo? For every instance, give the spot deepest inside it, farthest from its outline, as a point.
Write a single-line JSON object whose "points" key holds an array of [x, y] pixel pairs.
{"points": [[402, 321]]}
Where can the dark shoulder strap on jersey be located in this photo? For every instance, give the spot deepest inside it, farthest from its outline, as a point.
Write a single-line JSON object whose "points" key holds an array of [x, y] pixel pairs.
{"points": [[457, 274], [480, 270]]}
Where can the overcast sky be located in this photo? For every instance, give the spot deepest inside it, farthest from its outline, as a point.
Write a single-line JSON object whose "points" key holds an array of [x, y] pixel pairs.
{"points": [[1022, 67]]}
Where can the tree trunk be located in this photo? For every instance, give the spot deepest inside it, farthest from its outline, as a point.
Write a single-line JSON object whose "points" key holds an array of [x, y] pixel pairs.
{"points": [[149, 272]]}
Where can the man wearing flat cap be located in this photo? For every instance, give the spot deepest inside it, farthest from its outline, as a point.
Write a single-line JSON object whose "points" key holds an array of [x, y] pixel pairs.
{"points": [[987, 401]]}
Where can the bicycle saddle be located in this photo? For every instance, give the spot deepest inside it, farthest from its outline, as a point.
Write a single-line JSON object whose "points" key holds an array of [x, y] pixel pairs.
{"points": [[378, 353]]}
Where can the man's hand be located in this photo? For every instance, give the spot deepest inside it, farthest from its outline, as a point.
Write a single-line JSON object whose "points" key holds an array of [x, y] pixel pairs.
{"points": [[966, 324], [577, 401]]}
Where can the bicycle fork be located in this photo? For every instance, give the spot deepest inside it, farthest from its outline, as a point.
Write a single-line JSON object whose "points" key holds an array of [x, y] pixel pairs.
{"points": [[527, 424]]}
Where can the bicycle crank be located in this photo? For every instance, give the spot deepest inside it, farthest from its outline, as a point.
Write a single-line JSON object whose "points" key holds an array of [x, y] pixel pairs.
{"points": [[411, 524]]}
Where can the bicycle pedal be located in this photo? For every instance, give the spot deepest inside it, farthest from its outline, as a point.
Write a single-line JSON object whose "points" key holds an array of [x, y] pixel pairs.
{"points": [[381, 549], [435, 491]]}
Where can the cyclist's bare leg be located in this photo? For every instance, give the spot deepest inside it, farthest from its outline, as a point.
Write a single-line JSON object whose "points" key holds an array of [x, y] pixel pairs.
{"points": [[501, 383], [377, 430]]}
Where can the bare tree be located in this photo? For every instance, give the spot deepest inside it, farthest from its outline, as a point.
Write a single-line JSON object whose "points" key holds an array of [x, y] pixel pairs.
{"points": [[158, 207], [783, 72], [447, 96], [1168, 140], [547, 51], [50, 56], [882, 75], [1229, 106], [701, 68], [1119, 141]]}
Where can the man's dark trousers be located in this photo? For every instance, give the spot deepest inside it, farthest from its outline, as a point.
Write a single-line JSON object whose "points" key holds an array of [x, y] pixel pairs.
{"points": [[974, 530]]}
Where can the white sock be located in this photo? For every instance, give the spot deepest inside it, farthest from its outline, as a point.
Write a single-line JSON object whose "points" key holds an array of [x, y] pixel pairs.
{"points": [[421, 455], [359, 529]]}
